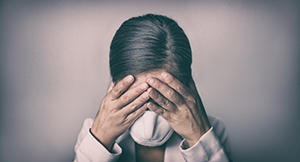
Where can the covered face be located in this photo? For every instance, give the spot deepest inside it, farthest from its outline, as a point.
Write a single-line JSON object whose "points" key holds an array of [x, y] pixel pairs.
{"points": [[149, 129]]}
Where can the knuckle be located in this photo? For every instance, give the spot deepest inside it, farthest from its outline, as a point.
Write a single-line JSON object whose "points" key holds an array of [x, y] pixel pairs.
{"points": [[162, 112], [126, 121], [126, 99], [165, 103], [117, 90], [172, 94], [154, 94], [158, 111], [143, 98], [113, 109], [192, 100], [135, 114], [105, 99], [133, 107], [181, 88], [180, 102]]}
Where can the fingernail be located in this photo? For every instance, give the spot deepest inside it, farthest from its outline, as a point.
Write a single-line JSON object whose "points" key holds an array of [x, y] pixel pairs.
{"points": [[144, 86], [150, 91], [149, 105], [145, 96], [144, 106], [165, 75], [151, 81], [129, 78]]}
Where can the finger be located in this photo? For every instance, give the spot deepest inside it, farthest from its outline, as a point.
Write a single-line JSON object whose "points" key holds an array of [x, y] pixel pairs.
{"points": [[110, 87], [158, 110], [176, 84], [135, 114], [161, 100], [131, 95], [190, 97], [166, 91], [136, 104], [122, 86]]}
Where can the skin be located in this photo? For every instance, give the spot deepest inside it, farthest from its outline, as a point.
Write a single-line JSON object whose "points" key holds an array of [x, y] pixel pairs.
{"points": [[126, 100]]}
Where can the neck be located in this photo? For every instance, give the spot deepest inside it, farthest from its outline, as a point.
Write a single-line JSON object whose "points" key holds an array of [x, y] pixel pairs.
{"points": [[147, 154]]}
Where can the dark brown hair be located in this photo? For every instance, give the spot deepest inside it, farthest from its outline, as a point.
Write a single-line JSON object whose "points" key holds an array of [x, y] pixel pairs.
{"points": [[148, 43]]}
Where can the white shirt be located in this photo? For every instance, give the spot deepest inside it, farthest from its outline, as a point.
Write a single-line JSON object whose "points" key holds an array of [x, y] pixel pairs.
{"points": [[210, 147]]}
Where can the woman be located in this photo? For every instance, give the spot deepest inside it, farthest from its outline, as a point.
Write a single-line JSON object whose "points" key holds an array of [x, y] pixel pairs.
{"points": [[152, 110]]}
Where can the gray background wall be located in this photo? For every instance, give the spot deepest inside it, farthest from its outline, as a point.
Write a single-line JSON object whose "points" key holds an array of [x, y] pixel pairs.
{"points": [[54, 71]]}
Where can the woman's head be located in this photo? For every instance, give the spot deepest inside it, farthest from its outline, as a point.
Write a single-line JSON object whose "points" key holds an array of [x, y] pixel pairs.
{"points": [[150, 43]]}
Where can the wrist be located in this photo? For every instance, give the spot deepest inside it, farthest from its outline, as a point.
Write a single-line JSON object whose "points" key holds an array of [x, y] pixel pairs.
{"points": [[196, 136], [107, 143], [192, 141]]}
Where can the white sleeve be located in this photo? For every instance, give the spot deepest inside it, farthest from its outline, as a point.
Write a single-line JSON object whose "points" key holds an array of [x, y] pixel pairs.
{"points": [[212, 146], [87, 148]]}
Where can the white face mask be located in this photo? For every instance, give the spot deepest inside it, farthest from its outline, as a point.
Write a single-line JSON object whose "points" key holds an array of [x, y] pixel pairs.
{"points": [[150, 130]]}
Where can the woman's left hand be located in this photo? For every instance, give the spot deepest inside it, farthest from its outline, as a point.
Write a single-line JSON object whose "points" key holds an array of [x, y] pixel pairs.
{"points": [[180, 105]]}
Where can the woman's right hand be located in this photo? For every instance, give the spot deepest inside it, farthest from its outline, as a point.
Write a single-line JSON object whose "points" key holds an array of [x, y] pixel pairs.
{"points": [[119, 109]]}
